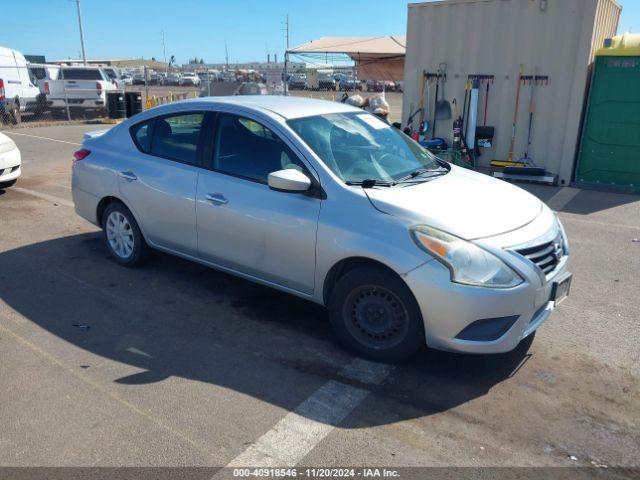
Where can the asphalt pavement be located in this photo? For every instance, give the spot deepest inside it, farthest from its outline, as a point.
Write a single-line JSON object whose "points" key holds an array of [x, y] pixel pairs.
{"points": [[175, 364]]}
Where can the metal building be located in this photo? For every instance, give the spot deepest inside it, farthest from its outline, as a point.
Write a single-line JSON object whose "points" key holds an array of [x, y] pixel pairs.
{"points": [[550, 38]]}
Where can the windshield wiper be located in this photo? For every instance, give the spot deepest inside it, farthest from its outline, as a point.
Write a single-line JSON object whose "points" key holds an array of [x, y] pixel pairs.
{"points": [[370, 183], [424, 171]]}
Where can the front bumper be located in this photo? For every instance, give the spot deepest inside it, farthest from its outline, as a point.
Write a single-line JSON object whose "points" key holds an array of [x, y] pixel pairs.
{"points": [[448, 308], [10, 165]]}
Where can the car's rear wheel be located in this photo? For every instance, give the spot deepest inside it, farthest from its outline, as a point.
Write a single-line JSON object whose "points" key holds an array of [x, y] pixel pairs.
{"points": [[122, 235], [374, 314]]}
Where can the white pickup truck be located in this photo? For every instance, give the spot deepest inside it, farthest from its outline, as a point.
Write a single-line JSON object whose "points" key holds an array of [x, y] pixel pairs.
{"points": [[79, 88]]}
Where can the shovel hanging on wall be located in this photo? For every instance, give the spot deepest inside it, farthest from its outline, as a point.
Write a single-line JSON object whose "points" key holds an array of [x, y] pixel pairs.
{"points": [[443, 107]]}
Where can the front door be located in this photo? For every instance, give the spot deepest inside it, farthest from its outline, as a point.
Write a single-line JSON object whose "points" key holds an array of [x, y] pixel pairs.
{"points": [[243, 224]]}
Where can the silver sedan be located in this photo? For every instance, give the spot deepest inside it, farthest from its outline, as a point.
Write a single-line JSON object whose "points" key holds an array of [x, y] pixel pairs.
{"points": [[327, 202]]}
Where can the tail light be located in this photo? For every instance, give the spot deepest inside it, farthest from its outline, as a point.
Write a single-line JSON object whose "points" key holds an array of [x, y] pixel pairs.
{"points": [[2, 97], [80, 155], [46, 88], [98, 88]]}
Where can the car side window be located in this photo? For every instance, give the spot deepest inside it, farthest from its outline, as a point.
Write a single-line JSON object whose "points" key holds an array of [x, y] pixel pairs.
{"points": [[177, 137], [248, 149], [142, 136]]}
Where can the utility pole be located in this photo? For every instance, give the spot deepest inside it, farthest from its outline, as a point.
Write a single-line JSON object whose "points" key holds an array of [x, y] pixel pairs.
{"points": [[164, 52], [84, 55], [226, 56], [286, 58]]}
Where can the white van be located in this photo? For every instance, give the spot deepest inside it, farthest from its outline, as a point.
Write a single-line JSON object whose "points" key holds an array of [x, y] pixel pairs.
{"points": [[17, 92]]}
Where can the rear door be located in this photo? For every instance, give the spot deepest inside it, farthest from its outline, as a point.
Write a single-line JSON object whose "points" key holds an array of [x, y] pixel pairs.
{"points": [[159, 181], [243, 224]]}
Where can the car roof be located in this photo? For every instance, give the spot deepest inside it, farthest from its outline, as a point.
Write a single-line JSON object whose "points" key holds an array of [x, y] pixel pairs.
{"points": [[287, 107]]}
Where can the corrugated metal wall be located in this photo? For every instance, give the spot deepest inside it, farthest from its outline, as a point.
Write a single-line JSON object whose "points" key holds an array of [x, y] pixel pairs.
{"points": [[557, 38]]}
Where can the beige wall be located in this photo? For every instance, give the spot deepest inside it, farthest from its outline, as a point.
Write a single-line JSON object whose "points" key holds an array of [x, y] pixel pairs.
{"points": [[494, 37]]}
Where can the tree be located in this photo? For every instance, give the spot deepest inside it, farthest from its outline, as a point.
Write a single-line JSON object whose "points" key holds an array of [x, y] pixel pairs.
{"points": [[172, 60]]}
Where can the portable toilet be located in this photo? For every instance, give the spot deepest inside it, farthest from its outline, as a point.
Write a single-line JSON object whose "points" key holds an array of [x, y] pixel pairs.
{"points": [[609, 155]]}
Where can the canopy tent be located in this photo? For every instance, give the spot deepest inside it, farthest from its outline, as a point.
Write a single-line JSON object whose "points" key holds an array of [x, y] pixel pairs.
{"points": [[376, 58]]}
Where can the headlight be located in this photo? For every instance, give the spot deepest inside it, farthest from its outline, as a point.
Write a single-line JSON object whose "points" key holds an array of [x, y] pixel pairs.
{"points": [[565, 240], [7, 146], [468, 263]]}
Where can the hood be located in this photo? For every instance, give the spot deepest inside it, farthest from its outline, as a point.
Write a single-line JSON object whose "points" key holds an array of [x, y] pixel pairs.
{"points": [[467, 204]]}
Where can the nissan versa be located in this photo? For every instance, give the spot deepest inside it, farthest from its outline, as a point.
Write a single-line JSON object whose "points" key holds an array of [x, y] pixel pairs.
{"points": [[329, 203]]}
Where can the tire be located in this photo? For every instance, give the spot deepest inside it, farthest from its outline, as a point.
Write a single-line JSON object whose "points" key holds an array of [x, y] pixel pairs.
{"points": [[15, 114], [374, 314], [59, 113], [122, 235], [11, 183]]}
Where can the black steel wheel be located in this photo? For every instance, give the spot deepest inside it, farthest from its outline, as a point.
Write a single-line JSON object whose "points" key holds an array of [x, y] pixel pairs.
{"points": [[374, 313]]}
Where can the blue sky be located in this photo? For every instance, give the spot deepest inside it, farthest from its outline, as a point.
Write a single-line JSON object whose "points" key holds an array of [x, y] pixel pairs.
{"points": [[251, 28]]}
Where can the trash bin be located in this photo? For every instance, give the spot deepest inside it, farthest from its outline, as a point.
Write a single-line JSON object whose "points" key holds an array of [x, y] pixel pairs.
{"points": [[134, 103], [116, 107]]}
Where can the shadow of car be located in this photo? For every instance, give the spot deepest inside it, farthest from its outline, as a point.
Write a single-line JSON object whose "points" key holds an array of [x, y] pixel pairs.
{"points": [[174, 318]]}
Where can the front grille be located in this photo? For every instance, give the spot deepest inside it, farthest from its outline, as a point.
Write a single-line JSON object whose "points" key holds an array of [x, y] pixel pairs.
{"points": [[546, 256]]}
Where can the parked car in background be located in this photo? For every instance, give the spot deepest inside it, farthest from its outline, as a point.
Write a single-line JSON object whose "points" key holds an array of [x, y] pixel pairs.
{"points": [[10, 162], [41, 75], [375, 85], [113, 75], [389, 85], [137, 79], [81, 89], [172, 79], [297, 81], [127, 79], [326, 82], [400, 86], [350, 84], [330, 203], [189, 79], [18, 93]]}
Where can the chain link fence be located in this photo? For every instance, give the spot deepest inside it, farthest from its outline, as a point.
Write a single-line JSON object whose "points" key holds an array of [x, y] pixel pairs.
{"points": [[46, 93]]}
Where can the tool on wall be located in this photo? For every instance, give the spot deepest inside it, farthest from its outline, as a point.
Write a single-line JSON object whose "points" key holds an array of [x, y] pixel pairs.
{"points": [[443, 107], [515, 115], [526, 159], [533, 81], [486, 105], [473, 115]]}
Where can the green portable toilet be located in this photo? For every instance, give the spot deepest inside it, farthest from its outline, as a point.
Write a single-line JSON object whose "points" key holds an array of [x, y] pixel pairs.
{"points": [[609, 155]]}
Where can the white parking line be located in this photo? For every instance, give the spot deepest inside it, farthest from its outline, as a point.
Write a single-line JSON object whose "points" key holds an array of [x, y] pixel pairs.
{"points": [[41, 138], [293, 437], [43, 196]]}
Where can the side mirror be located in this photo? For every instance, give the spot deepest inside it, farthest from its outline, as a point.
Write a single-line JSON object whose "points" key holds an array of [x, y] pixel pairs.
{"points": [[289, 180]]}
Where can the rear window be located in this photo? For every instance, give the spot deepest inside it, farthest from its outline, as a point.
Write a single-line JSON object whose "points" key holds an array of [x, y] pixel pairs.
{"points": [[81, 74], [142, 136]]}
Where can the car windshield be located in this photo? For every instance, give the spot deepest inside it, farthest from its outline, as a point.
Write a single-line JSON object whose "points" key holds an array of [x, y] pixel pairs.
{"points": [[359, 147]]}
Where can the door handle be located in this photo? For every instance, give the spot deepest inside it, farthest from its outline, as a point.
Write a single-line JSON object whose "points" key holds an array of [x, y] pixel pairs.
{"points": [[217, 198], [128, 175]]}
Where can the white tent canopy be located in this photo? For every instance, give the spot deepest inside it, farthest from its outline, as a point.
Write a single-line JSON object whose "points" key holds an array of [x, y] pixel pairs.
{"points": [[376, 58]]}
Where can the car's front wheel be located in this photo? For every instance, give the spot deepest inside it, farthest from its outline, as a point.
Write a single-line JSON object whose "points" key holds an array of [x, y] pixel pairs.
{"points": [[375, 314], [122, 235]]}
